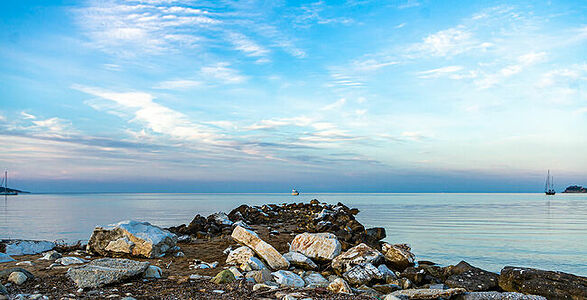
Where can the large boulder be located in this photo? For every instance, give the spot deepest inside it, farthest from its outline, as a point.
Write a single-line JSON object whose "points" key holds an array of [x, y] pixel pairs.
{"points": [[427, 293], [399, 256], [105, 271], [140, 239], [550, 284], [239, 256], [25, 247], [497, 296], [319, 246], [250, 239], [362, 274], [472, 278], [299, 260], [356, 255]]}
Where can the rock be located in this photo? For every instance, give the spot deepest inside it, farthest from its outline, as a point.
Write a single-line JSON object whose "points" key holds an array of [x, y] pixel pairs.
{"points": [[6, 272], [399, 255], [26, 247], [242, 224], [288, 279], [239, 255], [388, 275], [186, 238], [362, 274], [438, 286], [428, 293], [299, 260], [497, 296], [70, 260], [339, 286], [386, 288], [105, 271], [392, 297], [319, 246], [356, 255], [153, 272], [259, 276], [256, 264], [3, 290], [25, 263], [199, 277], [17, 278], [314, 280], [264, 250], [472, 278], [376, 233], [550, 284], [179, 254], [237, 274], [225, 276], [134, 238], [260, 286], [221, 219], [51, 255], [5, 258]]}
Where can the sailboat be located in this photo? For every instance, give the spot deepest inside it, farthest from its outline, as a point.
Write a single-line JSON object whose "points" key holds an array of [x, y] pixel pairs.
{"points": [[294, 192], [5, 190], [549, 186]]}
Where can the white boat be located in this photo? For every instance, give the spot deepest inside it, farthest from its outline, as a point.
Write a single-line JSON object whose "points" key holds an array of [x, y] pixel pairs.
{"points": [[294, 192], [549, 186]]}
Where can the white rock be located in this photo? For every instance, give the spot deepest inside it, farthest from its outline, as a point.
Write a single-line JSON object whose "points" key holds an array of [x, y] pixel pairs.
{"points": [[27, 247], [249, 238], [314, 280], [17, 278], [399, 255], [25, 263], [51, 255], [222, 219], [300, 260], [153, 272], [288, 278], [239, 255], [5, 258], [259, 286], [356, 255], [428, 293], [362, 274], [242, 224], [339, 286], [105, 271], [70, 260], [321, 246], [149, 241]]}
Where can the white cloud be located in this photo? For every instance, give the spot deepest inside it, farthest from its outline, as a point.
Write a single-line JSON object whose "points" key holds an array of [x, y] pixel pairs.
{"points": [[222, 73], [178, 84], [27, 116], [439, 72], [447, 42], [335, 105], [242, 43]]}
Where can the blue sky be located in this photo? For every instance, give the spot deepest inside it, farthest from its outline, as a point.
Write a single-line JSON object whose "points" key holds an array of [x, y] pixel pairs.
{"points": [[164, 95]]}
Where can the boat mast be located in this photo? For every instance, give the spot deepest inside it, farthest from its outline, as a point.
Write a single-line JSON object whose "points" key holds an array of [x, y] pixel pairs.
{"points": [[546, 185]]}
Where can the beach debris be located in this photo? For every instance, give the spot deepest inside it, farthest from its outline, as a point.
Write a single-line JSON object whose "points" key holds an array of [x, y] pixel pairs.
{"points": [[249, 238], [105, 271], [288, 279], [5, 258], [25, 247], [356, 255], [550, 284], [319, 246], [51, 255], [340, 286], [428, 293], [299, 260], [134, 238], [399, 256], [239, 255], [224, 276], [17, 278], [153, 272]]}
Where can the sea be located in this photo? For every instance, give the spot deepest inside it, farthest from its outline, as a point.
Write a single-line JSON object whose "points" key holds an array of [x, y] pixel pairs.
{"points": [[489, 231]]}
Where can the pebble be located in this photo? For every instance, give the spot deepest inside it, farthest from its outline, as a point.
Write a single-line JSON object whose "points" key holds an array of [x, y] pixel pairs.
{"points": [[218, 291]]}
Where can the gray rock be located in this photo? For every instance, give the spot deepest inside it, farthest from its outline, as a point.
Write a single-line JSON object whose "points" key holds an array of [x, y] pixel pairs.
{"points": [[288, 279], [362, 274], [70, 260], [26, 247], [472, 278], [17, 278], [5, 258], [354, 256], [388, 275], [428, 293], [3, 290], [497, 296], [398, 255], [386, 288], [153, 272], [314, 280], [6, 272], [259, 276], [299, 260], [550, 284], [105, 271]]}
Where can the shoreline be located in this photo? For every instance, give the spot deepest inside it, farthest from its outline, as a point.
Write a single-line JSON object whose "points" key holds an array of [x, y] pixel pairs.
{"points": [[276, 225]]}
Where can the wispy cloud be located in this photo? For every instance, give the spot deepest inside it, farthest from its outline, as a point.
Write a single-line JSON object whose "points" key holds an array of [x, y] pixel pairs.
{"points": [[178, 84], [222, 73]]}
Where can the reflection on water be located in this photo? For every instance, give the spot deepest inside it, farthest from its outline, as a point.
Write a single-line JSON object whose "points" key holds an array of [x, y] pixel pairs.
{"points": [[487, 230]]}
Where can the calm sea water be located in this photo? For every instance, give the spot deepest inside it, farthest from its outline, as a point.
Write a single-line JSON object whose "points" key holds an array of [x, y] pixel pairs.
{"points": [[486, 230]]}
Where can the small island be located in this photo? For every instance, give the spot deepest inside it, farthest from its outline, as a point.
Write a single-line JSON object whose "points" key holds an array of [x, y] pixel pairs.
{"points": [[9, 191], [575, 189]]}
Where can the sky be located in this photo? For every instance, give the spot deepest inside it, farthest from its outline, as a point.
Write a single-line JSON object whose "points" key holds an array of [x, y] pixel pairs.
{"points": [[265, 96]]}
